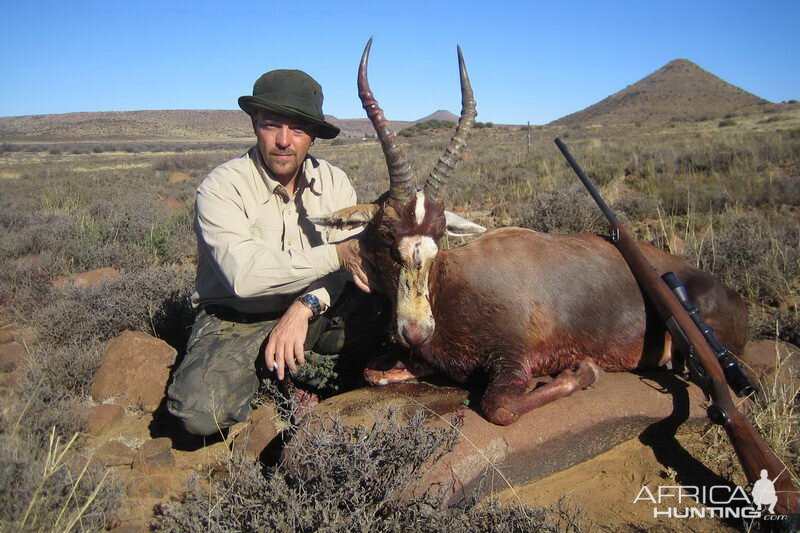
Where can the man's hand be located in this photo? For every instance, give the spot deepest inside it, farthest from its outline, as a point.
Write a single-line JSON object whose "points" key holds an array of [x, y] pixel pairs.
{"points": [[353, 259], [285, 345]]}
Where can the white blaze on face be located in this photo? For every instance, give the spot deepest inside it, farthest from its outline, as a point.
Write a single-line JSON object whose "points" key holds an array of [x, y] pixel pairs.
{"points": [[413, 304], [419, 207]]}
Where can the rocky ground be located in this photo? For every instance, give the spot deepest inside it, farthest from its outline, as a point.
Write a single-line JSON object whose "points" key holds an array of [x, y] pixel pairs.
{"points": [[597, 447]]}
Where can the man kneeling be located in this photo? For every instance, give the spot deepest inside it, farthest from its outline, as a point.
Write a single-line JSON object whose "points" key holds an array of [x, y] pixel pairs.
{"points": [[273, 289]]}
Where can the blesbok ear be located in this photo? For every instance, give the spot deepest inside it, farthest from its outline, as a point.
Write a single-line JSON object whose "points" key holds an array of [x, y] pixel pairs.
{"points": [[349, 217], [461, 227]]}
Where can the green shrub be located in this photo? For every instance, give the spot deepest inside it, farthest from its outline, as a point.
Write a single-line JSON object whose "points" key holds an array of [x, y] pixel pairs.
{"points": [[560, 211], [154, 300], [344, 479]]}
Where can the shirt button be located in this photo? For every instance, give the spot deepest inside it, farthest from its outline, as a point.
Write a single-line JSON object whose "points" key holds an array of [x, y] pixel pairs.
{"points": [[290, 243]]}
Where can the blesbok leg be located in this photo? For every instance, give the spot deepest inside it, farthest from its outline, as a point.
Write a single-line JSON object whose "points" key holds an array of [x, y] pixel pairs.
{"points": [[505, 400], [388, 369]]}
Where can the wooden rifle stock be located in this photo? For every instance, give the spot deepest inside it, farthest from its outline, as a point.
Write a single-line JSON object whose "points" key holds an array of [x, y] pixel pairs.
{"points": [[753, 453]]}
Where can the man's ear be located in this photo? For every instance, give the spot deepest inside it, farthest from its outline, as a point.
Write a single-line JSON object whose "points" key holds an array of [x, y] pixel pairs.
{"points": [[461, 227], [349, 217]]}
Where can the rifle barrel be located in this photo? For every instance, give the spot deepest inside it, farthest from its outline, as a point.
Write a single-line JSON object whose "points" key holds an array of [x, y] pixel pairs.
{"points": [[753, 452], [586, 182]]}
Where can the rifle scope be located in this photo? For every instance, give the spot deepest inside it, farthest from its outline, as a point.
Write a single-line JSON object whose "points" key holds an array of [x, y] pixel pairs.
{"points": [[733, 374]]}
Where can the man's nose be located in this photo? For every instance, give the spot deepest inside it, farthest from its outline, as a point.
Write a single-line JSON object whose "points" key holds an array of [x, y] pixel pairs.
{"points": [[282, 139]]}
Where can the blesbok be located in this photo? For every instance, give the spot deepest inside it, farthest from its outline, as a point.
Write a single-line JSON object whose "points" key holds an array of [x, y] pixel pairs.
{"points": [[514, 303]]}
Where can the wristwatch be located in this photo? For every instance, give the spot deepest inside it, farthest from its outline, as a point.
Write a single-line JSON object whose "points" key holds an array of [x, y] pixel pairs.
{"points": [[313, 303]]}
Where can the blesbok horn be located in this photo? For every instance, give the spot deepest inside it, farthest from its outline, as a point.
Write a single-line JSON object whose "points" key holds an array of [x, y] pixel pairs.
{"points": [[401, 178], [452, 154]]}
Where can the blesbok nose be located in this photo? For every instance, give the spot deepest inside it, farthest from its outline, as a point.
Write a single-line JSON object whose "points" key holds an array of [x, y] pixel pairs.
{"points": [[415, 333]]}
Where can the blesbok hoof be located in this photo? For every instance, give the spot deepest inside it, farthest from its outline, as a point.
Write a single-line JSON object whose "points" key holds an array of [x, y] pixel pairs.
{"points": [[385, 377], [388, 369], [502, 417]]}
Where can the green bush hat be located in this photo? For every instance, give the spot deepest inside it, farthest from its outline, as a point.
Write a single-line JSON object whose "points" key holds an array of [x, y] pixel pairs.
{"points": [[291, 93]]}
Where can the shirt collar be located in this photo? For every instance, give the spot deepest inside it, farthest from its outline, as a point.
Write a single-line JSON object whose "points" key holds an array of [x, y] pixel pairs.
{"points": [[308, 178]]}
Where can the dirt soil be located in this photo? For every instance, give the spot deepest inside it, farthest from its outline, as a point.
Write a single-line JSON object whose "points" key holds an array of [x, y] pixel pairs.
{"points": [[606, 486]]}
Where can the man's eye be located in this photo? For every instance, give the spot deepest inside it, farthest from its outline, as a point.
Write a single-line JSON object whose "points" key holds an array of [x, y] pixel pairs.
{"points": [[299, 131]]}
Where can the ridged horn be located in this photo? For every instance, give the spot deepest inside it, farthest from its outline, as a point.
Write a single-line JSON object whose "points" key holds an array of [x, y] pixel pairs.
{"points": [[452, 154], [401, 177]]}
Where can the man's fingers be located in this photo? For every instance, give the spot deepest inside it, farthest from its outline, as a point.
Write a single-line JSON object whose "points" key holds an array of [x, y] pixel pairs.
{"points": [[361, 279], [289, 357], [269, 355], [300, 353], [361, 284], [279, 360]]}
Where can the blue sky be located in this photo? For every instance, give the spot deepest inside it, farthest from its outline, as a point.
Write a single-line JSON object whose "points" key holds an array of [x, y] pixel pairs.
{"points": [[529, 61]]}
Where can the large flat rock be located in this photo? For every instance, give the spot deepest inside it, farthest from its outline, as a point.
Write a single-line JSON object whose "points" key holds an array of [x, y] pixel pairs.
{"points": [[618, 407], [134, 368]]}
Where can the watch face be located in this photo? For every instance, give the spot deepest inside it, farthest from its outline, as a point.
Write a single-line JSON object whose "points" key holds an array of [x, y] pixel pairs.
{"points": [[312, 302]]}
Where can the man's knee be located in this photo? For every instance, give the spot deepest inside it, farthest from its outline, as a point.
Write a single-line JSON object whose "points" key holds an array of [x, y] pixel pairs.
{"points": [[207, 401], [194, 422], [204, 418]]}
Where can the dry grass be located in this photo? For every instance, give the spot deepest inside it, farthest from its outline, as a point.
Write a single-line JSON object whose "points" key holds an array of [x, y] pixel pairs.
{"points": [[337, 478], [730, 194], [49, 487], [775, 412]]}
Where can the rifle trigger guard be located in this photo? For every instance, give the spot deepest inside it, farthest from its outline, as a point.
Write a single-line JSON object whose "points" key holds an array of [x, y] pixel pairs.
{"points": [[696, 371]]}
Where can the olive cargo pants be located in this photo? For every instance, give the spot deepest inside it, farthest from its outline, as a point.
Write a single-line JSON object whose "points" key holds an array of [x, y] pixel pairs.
{"points": [[217, 379]]}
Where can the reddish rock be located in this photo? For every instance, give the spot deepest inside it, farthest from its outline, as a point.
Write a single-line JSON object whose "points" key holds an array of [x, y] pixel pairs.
{"points": [[763, 359], [259, 433], [154, 455], [179, 177], [172, 204], [157, 486], [90, 278], [22, 335], [620, 406], [135, 367], [12, 356], [100, 418], [11, 381], [155, 446], [6, 336], [113, 453]]}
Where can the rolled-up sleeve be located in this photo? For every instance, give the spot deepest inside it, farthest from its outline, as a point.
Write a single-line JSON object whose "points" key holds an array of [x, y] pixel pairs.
{"points": [[245, 263]]}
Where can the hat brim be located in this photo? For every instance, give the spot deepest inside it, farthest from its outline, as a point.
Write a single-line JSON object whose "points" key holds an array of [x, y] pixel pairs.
{"points": [[325, 130]]}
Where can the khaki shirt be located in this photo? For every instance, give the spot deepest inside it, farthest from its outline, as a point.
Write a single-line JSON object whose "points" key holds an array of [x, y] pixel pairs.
{"points": [[257, 250]]}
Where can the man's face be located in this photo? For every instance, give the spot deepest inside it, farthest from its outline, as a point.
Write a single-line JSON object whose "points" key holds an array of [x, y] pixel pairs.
{"points": [[283, 141]]}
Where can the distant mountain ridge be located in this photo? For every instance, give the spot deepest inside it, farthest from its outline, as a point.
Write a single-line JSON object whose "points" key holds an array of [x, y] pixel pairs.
{"points": [[127, 125], [679, 89], [173, 124]]}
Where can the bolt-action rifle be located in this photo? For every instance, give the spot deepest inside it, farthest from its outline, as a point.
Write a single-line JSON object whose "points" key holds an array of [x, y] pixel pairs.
{"points": [[669, 298]]}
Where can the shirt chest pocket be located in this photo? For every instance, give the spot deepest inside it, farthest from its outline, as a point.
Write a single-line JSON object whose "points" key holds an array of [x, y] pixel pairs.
{"points": [[269, 231]]}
